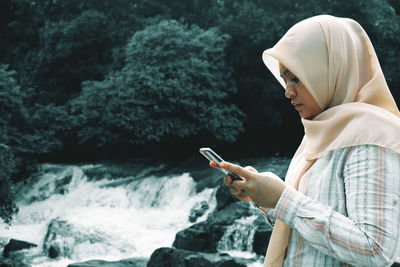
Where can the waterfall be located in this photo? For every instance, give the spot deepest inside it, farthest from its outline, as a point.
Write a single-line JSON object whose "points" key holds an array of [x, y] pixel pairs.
{"points": [[124, 217], [238, 238]]}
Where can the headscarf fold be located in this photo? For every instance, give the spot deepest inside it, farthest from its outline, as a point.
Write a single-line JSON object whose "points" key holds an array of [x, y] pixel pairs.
{"points": [[335, 60]]}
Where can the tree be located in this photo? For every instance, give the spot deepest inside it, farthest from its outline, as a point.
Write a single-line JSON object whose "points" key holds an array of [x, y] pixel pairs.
{"points": [[7, 197], [72, 51], [175, 84], [13, 114]]}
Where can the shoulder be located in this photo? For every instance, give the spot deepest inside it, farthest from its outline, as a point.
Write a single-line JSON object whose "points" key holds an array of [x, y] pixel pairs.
{"points": [[360, 156], [362, 152], [369, 151], [371, 158]]}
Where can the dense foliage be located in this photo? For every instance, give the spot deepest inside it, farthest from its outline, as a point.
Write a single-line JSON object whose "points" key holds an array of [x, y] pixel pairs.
{"points": [[101, 76], [175, 82], [7, 166]]}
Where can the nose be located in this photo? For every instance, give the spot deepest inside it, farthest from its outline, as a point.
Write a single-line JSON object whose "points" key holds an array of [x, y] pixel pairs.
{"points": [[290, 91]]}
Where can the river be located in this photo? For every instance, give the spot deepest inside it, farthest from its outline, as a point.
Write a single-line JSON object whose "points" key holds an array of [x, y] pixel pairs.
{"points": [[125, 217]]}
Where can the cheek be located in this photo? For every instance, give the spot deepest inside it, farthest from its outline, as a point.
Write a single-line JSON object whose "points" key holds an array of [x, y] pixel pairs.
{"points": [[311, 106], [314, 110]]}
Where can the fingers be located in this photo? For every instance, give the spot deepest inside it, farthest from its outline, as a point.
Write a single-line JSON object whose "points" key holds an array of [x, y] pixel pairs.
{"points": [[238, 188], [240, 194], [228, 180], [251, 169], [246, 173], [212, 164], [234, 190]]}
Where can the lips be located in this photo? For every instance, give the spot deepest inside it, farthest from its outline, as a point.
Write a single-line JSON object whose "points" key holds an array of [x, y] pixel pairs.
{"points": [[296, 105]]}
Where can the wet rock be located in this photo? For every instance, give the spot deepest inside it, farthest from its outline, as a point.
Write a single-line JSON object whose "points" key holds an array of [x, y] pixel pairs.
{"points": [[50, 180], [15, 259], [61, 238], [224, 197], [171, 257], [61, 185], [132, 262], [229, 214], [261, 236], [196, 238], [206, 177], [58, 240], [198, 210], [16, 245], [204, 236]]}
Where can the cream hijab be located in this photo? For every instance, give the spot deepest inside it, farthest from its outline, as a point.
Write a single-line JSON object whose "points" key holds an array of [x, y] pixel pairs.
{"points": [[335, 60]]}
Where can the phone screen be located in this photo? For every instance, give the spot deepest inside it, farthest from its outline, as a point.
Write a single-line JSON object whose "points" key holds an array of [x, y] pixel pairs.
{"points": [[212, 156]]}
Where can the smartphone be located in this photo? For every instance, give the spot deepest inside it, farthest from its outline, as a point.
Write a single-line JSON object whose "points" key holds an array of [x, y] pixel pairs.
{"points": [[212, 156]]}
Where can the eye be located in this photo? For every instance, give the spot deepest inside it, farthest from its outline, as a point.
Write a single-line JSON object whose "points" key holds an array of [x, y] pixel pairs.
{"points": [[295, 80]]}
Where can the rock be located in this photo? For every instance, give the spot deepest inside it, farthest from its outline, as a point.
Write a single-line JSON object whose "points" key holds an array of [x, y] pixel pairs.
{"points": [[229, 214], [204, 236], [62, 237], [261, 236], [224, 197], [132, 262], [170, 257], [58, 240], [16, 245], [41, 185], [15, 259], [261, 240], [196, 238], [61, 185], [198, 210], [206, 177]]}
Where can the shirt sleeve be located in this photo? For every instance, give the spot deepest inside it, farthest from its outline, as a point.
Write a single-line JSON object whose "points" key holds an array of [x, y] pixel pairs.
{"points": [[267, 214], [368, 235]]}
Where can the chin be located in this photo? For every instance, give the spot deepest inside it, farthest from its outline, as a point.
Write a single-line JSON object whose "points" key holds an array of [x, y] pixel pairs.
{"points": [[307, 117]]}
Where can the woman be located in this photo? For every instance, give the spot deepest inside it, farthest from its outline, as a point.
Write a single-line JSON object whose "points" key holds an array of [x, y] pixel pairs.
{"points": [[339, 203]]}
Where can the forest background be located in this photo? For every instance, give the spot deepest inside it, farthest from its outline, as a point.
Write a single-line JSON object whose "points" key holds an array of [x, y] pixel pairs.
{"points": [[116, 79]]}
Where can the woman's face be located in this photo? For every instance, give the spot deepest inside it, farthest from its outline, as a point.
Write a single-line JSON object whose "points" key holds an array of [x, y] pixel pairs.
{"points": [[300, 97]]}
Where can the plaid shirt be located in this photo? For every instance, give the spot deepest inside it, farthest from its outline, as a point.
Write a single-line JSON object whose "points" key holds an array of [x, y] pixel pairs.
{"points": [[346, 211]]}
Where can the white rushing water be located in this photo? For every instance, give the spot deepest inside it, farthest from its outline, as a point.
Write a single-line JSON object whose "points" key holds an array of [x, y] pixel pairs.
{"points": [[239, 236], [126, 217]]}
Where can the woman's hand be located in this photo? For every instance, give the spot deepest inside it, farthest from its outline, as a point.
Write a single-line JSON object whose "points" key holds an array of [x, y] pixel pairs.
{"points": [[264, 189]]}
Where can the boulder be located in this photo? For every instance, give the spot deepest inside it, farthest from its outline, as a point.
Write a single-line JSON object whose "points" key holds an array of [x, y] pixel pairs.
{"points": [[132, 262], [224, 197], [61, 185], [261, 236], [206, 177], [15, 259], [39, 186], [171, 257], [198, 210], [58, 240], [16, 245], [62, 237], [204, 236], [197, 238]]}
